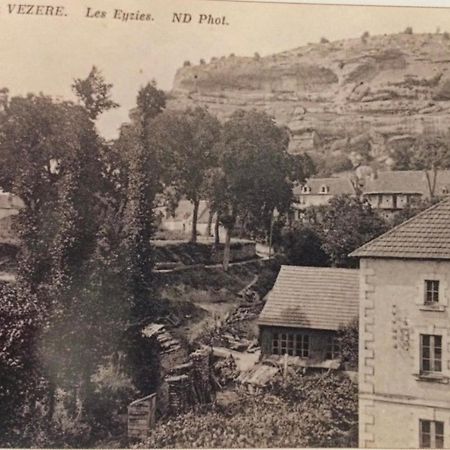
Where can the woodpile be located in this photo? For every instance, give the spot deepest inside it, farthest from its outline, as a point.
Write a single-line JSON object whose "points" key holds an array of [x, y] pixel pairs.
{"points": [[181, 395], [201, 375], [190, 383]]}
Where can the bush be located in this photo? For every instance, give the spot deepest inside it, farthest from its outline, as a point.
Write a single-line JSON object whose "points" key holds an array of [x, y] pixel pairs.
{"points": [[318, 410], [324, 40], [202, 62], [408, 30], [257, 56], [327, 407], [348, 337], [446, 35], [186, 63]]}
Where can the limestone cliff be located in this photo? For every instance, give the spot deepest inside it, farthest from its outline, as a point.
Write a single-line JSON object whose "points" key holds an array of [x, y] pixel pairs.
{"points": [[358, 97]]}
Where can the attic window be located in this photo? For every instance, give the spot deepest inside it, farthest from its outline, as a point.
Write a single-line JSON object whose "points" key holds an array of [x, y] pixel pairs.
{"points": [[306, 189], [324, 189]]}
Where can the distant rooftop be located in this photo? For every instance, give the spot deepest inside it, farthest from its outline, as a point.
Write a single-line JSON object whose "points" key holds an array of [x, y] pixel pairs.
{"points": [[425, 236], [407, 182], [312, 297], [334, 185]]}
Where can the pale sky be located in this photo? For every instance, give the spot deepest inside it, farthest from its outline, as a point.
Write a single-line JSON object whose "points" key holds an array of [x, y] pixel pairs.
{"points": [[44, 54]]}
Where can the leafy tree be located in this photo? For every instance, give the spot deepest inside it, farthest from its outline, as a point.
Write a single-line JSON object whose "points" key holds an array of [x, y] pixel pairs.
{"points": [[255, 172], [302, 246], [150, 102], [54, 165], [94, 93], [20, 368], [143, 183], [429, 153], [348, 223], [187, 139]]}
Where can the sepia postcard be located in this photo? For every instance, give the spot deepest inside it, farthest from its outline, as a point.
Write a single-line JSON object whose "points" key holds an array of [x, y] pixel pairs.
{"points": [[224, 224]]}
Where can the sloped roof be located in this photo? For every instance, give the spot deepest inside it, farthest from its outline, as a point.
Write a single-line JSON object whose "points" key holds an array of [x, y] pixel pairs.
{"points": [[312, 297], [425, 236], [337, 186], [406, 182]]}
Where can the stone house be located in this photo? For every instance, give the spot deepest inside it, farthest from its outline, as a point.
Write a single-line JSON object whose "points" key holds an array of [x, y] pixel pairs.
{"points": [[304, 311], [319, 191], [404, 341], [392, 191]]}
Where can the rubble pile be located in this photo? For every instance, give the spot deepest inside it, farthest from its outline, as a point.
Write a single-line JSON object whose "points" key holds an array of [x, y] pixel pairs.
{"points": [[232, 331]]}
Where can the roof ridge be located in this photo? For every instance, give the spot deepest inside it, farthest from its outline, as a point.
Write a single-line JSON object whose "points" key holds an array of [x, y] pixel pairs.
{"points": [[315, 268], [397, 227]]}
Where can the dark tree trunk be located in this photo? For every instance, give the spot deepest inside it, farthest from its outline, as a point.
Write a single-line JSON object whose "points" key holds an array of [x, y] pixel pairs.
{"points": [[194, 221], [227, 249], [51, 401], [210, 220], [217, 231]]}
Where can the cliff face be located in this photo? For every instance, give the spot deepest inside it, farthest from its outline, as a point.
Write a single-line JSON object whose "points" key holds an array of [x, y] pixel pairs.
{"points": [[361, 97]]}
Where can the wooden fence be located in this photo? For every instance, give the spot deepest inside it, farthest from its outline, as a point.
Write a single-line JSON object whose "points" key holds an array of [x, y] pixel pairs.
{"points": [[141, 417]]}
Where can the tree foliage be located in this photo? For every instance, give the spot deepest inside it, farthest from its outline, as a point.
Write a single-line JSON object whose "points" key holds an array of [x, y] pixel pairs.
{"points": [[302, 246], [94, 93], [254, 172], [349, 223], [186, 141]]}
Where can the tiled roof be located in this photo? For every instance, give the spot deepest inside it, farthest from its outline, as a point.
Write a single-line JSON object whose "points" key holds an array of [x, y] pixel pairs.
{"points": [[425, 236], [336, 186], [406, 182], [312, 297]]}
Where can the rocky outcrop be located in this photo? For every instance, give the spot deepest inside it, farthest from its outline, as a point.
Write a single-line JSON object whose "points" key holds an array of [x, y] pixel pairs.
{"points": [[345, 96]]}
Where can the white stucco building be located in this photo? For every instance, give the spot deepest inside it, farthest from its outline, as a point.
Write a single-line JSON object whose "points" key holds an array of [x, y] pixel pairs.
{"points": [[404, 353]]}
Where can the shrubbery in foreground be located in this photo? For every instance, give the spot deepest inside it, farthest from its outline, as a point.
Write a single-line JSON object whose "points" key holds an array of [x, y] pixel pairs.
{"points": [[304, 411]]}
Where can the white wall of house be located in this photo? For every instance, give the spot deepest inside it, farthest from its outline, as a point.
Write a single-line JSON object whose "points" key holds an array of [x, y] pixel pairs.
{"points": [[394, 395]]}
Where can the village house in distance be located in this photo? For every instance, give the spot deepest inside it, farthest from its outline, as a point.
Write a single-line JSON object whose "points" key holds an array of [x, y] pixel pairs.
{"points": [[404, 346], [388, 191]]}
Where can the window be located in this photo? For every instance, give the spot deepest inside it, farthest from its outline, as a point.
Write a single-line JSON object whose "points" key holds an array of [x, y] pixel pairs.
{"points": [[431, 434], [431, 292], [333, 348], [324, 189], [294, 344], [306, 189], [430, 353], [394, 201]]}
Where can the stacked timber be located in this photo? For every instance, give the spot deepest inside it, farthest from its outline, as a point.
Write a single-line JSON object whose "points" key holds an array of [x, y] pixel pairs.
{"points": [[201, 375], [180, 393]]}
